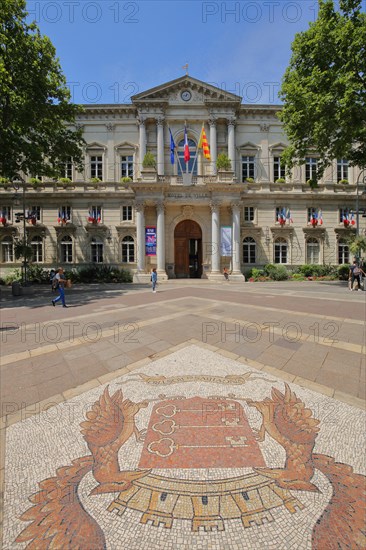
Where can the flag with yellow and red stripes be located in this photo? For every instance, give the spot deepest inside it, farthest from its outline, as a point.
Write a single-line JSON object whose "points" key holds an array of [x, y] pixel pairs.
{"points": [[203, 144]]}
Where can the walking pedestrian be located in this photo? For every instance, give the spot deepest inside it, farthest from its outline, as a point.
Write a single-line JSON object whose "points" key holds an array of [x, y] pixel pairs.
{"points": [[154, 279], [357, 273], [226, 273], [58, 283]]}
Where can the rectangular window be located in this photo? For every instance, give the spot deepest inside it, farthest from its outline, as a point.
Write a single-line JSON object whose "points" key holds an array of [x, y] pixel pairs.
{"points": [[247, 167], [96, 167], [5, 214], [97, 253], [8, 250], [310, 168], [248, 213], [34, 212], [64, 214], [345, 214], [95, 213], [126, 213], [278, 170], [314, 213], [127, 166], [280, 253], [342, 170], [68, 168]]}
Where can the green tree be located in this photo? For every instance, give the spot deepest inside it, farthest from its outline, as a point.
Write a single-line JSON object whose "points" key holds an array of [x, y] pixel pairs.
{"points": [[324, 88], [37, 131]]}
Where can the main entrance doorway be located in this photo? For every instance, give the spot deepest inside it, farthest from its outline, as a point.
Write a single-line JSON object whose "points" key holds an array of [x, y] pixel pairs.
{"points": [[188, 250]]}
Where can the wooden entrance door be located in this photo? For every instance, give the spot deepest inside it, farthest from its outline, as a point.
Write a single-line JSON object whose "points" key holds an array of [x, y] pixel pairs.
{"points": [[188, 249]]}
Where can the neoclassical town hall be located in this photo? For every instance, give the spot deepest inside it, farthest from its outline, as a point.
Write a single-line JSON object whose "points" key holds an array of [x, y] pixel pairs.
{"points": [[185, 217]]}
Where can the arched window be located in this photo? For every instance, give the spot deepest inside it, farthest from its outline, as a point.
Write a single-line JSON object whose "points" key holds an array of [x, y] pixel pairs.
{"points": [[7, 247], [192, 163], [66, 249], [343, 252], [96, 250], [37, 247], [312, 251], [280, 251], [249, 250], [128, 250]]}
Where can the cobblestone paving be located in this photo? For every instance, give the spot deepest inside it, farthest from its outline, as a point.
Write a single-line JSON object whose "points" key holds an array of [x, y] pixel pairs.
{"points": [[196, 421]]}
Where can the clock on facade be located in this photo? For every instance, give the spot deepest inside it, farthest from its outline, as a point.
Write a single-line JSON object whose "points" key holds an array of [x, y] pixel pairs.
{"points": [[186, 95]]}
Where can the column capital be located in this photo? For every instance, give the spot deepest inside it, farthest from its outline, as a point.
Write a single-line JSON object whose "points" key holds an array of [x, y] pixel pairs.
{"points": [[160, 207], [215, 207], [139, 206], [235, 206], [231, 121], [140, 119], [160, 120], [212, 121]]}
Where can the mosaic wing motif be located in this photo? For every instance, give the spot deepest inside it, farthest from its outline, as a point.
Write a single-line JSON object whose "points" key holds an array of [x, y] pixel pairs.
{"points": [[58, 518], [342, 524], [290, 423], [109, 424]]}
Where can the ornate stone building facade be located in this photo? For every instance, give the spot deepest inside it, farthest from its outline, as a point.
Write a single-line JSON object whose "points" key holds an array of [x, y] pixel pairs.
{"points": [[185, 219]]}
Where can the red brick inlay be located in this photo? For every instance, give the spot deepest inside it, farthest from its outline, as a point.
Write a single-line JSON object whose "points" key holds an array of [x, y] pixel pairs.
{"points": [[200, 433]]}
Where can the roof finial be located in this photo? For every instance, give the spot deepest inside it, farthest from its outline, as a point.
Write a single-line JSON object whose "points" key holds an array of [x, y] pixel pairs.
{"points": [[186, 68]]}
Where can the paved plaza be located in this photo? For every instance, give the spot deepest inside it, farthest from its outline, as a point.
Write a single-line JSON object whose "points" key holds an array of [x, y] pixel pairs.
{"points": [[208, 415]]}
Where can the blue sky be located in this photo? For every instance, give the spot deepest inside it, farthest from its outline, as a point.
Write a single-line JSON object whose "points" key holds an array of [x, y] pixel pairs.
{"points": [[112, 49]]}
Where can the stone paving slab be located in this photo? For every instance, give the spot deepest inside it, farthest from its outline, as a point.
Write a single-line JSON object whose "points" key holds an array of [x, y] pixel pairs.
{"points": [[193, 449]]}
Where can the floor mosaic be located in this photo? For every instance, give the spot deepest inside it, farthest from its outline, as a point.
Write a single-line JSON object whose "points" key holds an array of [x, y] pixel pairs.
{"points": [[193, 450]]}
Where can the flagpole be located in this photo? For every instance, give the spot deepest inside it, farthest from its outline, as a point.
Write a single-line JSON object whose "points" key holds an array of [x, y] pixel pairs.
{"points": [[186, 133], [198, 147]]}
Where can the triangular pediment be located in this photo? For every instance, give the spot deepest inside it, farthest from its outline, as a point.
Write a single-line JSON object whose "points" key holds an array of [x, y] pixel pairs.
{"points": [[199, 92]]}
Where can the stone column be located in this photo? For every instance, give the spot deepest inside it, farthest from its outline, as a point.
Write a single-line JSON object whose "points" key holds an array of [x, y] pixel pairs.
{"points": [[142, 138], [215, 238], [160, 238], [231, 141], [213, 144], [111, 169], [160, 142], [235, 208], [140, 236]]}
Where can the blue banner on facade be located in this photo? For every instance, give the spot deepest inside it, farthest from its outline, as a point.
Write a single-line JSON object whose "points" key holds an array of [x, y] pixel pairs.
{"points": [[225, 248], [150, 241]]}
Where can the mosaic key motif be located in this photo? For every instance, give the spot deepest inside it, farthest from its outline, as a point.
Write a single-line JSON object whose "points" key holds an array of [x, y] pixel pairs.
{"points": [[206, 433]]}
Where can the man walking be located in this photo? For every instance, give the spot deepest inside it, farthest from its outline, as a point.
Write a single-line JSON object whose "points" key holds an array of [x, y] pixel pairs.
{"points": [[154, 279], [58, 283]]}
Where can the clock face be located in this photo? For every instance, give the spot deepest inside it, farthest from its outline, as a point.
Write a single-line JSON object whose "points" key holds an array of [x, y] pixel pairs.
{"points": [[186, 95]]}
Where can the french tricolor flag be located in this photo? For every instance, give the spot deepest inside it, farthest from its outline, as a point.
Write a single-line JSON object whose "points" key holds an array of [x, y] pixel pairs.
{"points": [[187, 155]]}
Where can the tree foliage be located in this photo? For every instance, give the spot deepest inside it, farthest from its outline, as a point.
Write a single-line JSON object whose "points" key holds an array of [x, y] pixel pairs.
{"points": [[37, 131], [324, 88]]}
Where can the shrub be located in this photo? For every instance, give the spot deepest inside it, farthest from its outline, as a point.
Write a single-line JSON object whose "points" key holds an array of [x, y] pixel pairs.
{"points": [[65, 181], [37, 274], [280, 273], [343, 271], [223, 162], [297, 277], [268, 268], [250, 180], [149, 161], [256, 273], [100, 274], [126, 179], [13, 276], [280, 180]]}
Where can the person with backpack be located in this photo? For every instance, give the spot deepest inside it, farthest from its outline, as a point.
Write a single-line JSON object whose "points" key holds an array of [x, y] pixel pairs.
{"points": [[355, 273], [58, 283]]}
